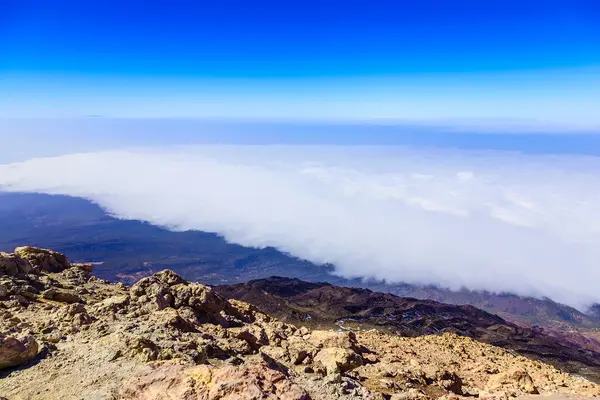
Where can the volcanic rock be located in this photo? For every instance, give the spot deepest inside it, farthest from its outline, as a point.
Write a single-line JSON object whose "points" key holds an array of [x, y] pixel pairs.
{"points": [[166, 338]]}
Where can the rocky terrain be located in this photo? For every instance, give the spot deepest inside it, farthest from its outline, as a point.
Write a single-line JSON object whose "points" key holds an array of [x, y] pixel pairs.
{"points": [[326, 306], [65, 334]]}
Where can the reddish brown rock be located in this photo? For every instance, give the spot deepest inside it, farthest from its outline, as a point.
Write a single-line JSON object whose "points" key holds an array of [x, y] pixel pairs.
{"points": [[209, 383]]}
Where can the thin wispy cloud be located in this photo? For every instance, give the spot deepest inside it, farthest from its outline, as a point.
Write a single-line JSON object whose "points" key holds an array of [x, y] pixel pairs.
{"points": [[483, 220]]}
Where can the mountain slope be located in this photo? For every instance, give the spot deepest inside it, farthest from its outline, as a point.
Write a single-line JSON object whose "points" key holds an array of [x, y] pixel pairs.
{"points": [[325, 306], [65, 334], [517, 309]]}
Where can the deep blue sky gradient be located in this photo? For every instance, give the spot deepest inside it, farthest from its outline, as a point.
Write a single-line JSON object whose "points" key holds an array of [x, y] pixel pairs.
{"points": [[438, 59], [296, 38]]}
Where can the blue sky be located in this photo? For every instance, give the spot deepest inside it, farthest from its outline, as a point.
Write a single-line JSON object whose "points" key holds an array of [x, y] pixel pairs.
{"points": [[536, 61]]}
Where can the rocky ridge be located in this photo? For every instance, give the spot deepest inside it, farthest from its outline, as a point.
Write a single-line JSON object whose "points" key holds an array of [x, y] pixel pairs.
{"points": [[65, 334], [327, 306]]}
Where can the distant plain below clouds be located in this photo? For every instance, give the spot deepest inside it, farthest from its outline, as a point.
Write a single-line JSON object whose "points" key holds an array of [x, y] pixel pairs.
{"points": [[42, 137], [485, 220]]}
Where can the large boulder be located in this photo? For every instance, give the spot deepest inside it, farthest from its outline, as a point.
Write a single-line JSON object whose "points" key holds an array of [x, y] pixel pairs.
{"points": [[16, 351], [199, 297], [42, 259], [154, 290], [337, 360], [322, 339]]}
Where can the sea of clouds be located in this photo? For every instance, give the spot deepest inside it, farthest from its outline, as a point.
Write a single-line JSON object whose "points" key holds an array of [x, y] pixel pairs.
{"points": [[499, 221]]}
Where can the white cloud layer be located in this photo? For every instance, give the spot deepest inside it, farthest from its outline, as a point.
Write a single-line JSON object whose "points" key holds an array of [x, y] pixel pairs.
{"points": [[483, 220]]}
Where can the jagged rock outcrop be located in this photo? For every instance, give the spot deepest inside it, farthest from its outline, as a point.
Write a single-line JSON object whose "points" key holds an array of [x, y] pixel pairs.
{"points": [[42, 259], [197, 303], [95, 339]]}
